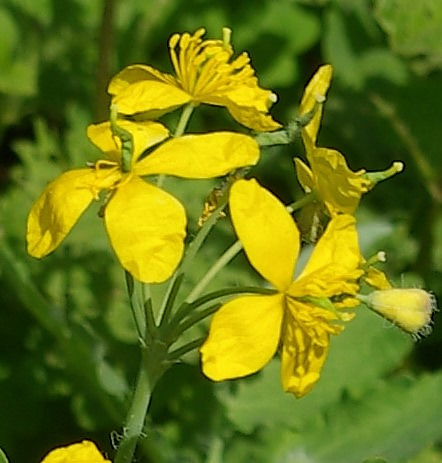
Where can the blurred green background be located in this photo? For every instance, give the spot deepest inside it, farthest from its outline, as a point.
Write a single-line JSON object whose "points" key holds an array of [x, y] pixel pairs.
{"points": [[380, 396]]}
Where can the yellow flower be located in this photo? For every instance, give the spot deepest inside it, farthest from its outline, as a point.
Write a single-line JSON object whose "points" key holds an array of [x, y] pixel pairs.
{"points": [[205, 73], [329, 176], [82, 452], [145, 225], [337, 186], [314, 96], [245, 333], [408, 308]]}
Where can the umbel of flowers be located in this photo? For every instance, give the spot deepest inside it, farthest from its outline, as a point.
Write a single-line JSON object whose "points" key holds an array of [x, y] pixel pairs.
{"points": [[146, 225]]}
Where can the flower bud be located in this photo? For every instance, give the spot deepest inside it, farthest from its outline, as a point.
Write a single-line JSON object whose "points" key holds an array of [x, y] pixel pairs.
{"points": [[410, 309]]}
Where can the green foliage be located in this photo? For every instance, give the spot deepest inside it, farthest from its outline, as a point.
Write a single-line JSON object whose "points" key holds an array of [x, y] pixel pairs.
{"points": [[68, 347], [413, 30]]}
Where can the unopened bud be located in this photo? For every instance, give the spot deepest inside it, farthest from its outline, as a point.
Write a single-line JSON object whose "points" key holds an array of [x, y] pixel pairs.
{"points": [[410, 309]]}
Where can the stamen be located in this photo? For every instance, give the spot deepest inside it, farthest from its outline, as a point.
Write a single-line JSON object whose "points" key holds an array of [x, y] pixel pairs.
{"points": [[173, 56], [227, 35]]}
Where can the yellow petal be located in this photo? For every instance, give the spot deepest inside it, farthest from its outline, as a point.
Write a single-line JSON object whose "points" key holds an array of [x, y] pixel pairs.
{"points": [[136, 73], [146, 227], [82, 452], [376, 278], [302, 356], [201, 156], [243, 336], [248, 105], [267, 231], [304, 175], [57, 210], [315, 91], [144, 134], [150, 96], [333, 266], [339, 187], [252, 118]]}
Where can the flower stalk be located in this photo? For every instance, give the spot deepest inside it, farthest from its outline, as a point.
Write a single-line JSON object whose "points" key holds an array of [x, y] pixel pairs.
{"points": [[151, 369]]}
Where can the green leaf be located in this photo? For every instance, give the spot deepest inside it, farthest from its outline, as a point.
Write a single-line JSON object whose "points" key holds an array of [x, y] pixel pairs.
{"points": [[392, 422], [356, 60], [339, 51], [396, 420], [111, 379], [413, 29], [41, 10], [281, 32], [3, 458], [18, 66], [8, 38]]}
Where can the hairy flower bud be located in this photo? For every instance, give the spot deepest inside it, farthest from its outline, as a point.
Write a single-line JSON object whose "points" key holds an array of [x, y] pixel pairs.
{"points": [[410, 309]]}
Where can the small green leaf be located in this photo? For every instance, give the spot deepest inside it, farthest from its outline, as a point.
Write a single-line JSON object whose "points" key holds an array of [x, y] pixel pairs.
{"points": [[413, 28], [3, 458], [111, 379], [396, 419]]}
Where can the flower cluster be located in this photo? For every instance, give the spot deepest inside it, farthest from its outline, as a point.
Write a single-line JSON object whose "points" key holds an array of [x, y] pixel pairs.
{"points": [[300, 317], [146, 225]]}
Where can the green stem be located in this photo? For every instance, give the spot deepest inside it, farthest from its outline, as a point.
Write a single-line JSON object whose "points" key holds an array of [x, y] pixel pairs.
{"points": [[179, 130], [186, 308], [136, 299], [233, 250], [226, 257], [423, 164], [137, 415], [126, 138], [170, 296], [151, 326], [184, 119], [186, 348], [189, 256], [194, 319], [215, 451], [304, 201], [202, 235]]}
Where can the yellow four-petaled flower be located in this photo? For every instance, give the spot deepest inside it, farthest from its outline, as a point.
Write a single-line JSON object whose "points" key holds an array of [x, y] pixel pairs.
{"points": [[246, 332], [145, 224], [204, 73]]}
